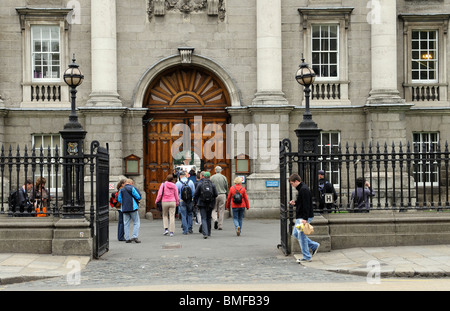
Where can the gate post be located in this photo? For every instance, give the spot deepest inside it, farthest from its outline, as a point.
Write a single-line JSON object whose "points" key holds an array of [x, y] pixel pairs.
{"points": [[72, 234], [73, 152]]}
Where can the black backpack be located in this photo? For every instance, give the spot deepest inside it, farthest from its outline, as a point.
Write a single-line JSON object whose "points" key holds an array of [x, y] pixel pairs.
{"points": [[12, 200], [207, 191], [237, 197], [186, 192]]}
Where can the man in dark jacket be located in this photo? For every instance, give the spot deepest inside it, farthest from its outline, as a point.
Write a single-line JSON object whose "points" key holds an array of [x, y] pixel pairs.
{"points": [[205, 204], [23, 201], [304, 214], [327, 194]]}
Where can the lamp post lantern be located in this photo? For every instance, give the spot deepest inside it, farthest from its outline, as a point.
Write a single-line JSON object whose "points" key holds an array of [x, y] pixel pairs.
{"points": [[73, 136], [307, 131]]}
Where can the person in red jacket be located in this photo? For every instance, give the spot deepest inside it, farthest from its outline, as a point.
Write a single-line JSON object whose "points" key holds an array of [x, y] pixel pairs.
{"points": [[237, 198]]}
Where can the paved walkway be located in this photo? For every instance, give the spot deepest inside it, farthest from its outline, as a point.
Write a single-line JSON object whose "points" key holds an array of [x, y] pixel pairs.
{"points": [[402, 261], [409, 261]]}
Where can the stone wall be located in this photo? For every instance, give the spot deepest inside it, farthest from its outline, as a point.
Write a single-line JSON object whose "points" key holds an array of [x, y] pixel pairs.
{"points": [[379, 229]]}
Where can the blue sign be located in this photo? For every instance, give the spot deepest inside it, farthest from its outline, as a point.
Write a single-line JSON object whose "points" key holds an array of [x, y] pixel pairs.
{"points": [[272, 183]]}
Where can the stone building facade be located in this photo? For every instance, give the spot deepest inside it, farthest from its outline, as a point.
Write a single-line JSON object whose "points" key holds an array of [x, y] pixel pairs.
{"points": [[216, 78]]}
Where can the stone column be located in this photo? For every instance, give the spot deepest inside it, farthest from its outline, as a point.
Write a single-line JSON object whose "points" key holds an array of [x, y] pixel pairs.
{"points": [[384, 53], [385, 119], [104, 54], [269, 49]]}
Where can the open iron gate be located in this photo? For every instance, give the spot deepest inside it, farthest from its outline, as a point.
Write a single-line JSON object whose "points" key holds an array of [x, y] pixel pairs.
{"points": [[101, 221], [286, 210]]}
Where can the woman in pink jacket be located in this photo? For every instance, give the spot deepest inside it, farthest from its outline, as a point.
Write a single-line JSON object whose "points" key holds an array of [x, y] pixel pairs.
{"points": [[170, 201]]}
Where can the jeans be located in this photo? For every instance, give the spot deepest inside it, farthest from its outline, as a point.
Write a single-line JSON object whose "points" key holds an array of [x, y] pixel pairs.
{"points": [[120, 230], [186, 216], [127, 217], [305, 242], [205, 211], [238, 216]]}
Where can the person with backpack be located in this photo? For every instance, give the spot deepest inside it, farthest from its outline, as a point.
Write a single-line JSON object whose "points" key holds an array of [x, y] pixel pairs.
{"points": [[221, 184], [360, 201], [186, 192], [19, 199], [327, 194], [237, 197], [205, 195], [129, 197], [168, 195], [114, 203]]}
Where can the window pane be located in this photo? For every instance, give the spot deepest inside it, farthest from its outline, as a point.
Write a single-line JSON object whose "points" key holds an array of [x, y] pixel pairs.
{"points": [[424, 55], [325, 50], [46, 52]]}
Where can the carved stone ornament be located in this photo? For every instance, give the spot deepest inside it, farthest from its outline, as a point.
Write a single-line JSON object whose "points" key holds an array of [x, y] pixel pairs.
{"points": [[210, 7]]}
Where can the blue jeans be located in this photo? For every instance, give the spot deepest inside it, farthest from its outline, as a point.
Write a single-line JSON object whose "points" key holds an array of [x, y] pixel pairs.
{"points": [[305, 242], [238, 216], [127, 217], [186, 216]]}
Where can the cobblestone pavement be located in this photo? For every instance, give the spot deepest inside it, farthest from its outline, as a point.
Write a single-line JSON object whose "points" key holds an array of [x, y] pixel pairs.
{"points": [[224, 258]]}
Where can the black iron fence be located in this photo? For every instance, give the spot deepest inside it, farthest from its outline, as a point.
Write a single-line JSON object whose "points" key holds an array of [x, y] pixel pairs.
{"points": [[402, 177], [43, 169]]}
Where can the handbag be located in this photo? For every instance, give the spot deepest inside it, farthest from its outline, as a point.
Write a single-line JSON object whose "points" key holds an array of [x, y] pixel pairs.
{"points": [[308, 229], [159, 203]]}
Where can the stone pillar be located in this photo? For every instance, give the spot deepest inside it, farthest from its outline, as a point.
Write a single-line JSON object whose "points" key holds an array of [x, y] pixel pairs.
{"points": [[104, 54], [269, 49], [384, 54], [386, 121]]}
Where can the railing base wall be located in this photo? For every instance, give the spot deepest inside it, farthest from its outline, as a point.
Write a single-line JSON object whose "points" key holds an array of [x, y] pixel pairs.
{"points": [[379, 229], [49, 235]]}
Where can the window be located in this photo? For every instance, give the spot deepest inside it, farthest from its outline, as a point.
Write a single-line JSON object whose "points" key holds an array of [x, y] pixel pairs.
{"points": [[45, 141], [424, 45], [325, 51], [45, 37], [325, 48], [45, 50], [424, 50], [329, 145], [426, 172]]}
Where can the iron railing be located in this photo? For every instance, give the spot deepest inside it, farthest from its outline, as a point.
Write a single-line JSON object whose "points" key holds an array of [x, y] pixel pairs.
{"points": [[16, 166], [403, 177]]}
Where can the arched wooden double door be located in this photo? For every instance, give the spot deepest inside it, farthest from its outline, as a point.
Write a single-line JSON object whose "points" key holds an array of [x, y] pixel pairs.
{"points": [[186, 112]]}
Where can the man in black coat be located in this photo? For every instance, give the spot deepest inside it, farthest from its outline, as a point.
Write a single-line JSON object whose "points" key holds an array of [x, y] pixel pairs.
{"points": [[23, 201], [205, 204], [304, 214]]}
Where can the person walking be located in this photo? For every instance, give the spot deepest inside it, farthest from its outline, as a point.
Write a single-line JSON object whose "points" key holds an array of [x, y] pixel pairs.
{"points": [[221, 184], [304, 214], [128, 198], [237, 197], [186, 192], [206, 194], [170, 200]]}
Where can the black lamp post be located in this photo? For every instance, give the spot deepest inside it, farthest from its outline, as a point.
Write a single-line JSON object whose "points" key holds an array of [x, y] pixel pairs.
{"points": [[307, 131], [73, 151], [308, 134]]}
